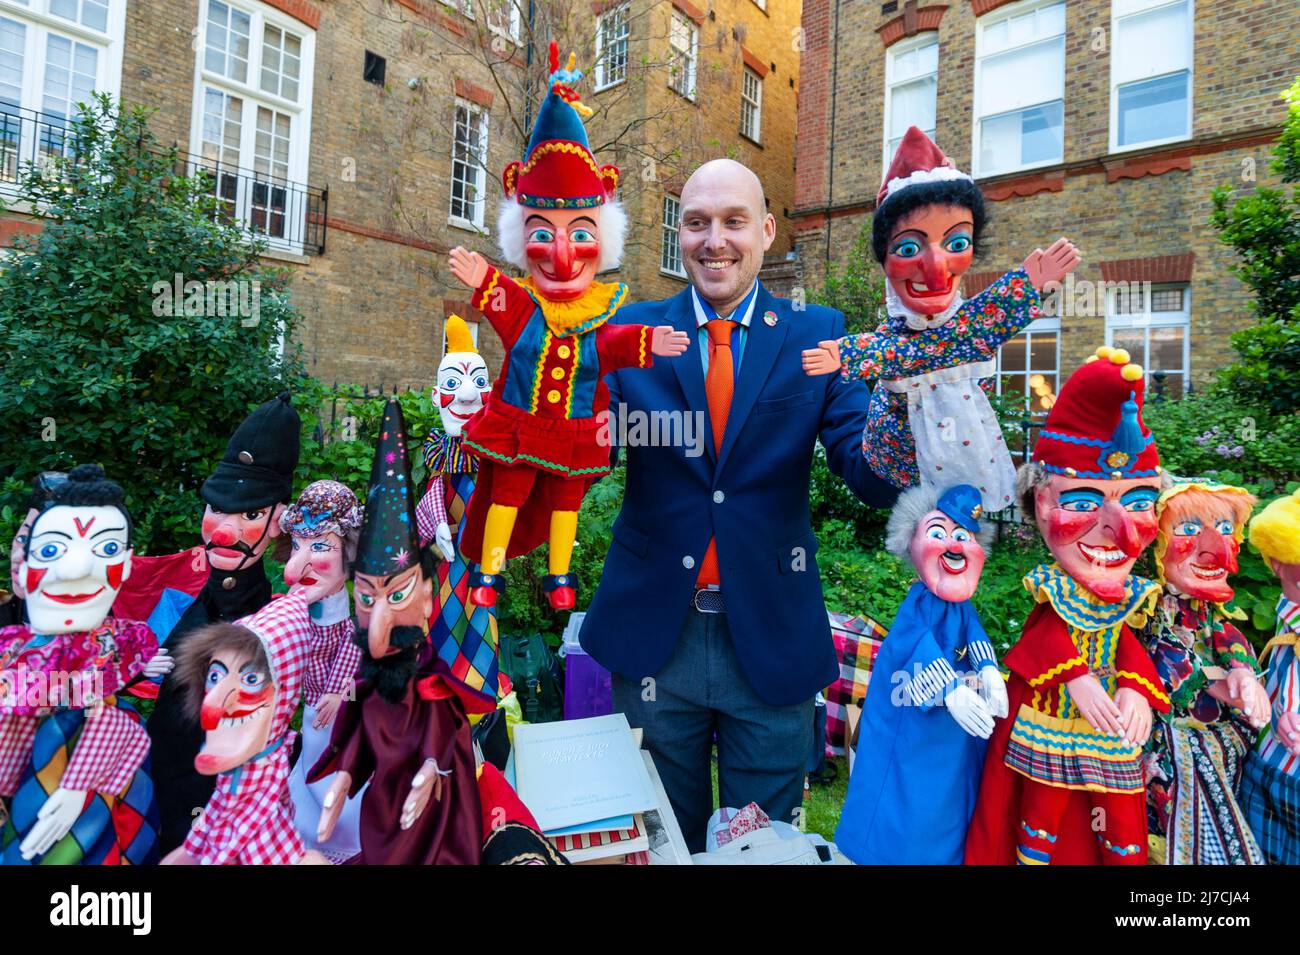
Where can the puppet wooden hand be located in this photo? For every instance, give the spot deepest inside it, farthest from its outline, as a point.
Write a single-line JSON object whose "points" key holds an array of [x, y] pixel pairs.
{"points": [[1247, 694], [470, 267], [822, 360], [326, 709], [160, 664], [1287, 731], [428, 781], [1135, 714], [1096, 705], [54, 820], [668, 341], [446, 544], [995, 691], [1053, 265], [332, 805], [970, 711]]}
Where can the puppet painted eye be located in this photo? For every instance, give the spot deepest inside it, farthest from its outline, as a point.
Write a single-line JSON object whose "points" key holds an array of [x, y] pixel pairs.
{"points": [[450, 383], [582, 235], [51, 550], [1188, 529], [216, 673], [958, 243], [366, 600], [481, 382], [251, 680], [1224, 527], [1080, 504], [253, 515], [961, 535], [936, 533], [906, 249], [109, 548], [1139, 504], [321, 547], [541, 235], [397, 596]]}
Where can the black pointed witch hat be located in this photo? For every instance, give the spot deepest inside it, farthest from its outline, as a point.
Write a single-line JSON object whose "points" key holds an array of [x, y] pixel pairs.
{"points": [[389, 539]]}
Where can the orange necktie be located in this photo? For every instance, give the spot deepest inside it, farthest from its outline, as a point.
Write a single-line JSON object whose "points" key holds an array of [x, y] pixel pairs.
{"points": [[718, 389]]}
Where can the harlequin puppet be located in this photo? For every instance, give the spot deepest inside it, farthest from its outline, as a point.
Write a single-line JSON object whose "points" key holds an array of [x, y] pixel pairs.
{"points": [[537, 438], [244, 497], [323, 527], [243, 682], [1270, 786], [74, 778], [934, 356], [405, 732], [1063, 778], [464, 634], [1196, 752], [917, 771]]}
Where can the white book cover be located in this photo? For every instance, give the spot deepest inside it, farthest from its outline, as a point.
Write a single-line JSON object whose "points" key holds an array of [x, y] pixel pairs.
{"points": [[577, 771]]}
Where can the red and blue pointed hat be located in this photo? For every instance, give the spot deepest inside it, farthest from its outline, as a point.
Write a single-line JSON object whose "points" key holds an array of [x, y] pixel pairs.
{"points": [[559, 170]]}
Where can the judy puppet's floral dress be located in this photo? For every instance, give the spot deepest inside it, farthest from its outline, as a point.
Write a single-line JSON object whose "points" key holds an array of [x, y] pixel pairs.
{"points": [[930, 420], [1196, 753]]}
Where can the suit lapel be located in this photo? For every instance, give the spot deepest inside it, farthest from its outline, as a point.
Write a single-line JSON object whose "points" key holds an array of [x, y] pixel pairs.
{"points": [[689, 365], [762, 347]]}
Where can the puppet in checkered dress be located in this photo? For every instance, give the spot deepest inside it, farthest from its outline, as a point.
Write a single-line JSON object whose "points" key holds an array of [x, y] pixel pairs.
{"points": [[244, 681], [74, 783]]}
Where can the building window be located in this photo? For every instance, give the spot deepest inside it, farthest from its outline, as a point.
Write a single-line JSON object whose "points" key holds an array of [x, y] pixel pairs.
{"points": [[54, 54], [469, 166], [504, 18], [761, 4], [1152, 323], [1019, 88], [751, 105], [374, 69], [612, 30], [464, 6], [684, 47], [911, 80], [1029, 365], [1150, 73], [670, 250], [252, 117]]}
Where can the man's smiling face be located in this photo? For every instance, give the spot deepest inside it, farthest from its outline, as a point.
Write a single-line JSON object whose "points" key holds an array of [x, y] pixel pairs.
{"points": [[725, 229]]}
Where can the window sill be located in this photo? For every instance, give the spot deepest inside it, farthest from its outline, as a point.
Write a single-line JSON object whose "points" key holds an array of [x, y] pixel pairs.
{"points": [[690, 99], [610, 86], [1017, 170], [456, 222], [1148, 144], [749, 139], [681, 276]]}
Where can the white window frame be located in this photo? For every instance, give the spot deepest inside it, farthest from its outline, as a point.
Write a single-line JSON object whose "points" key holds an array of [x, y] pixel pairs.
{"points": [[621, 13], [1121, 10], [761, 4], [478, 223], [511, 29], [898, 49], [250, 91], [1048, 325], [977, 120], [684, 89], [755, 105], [670, 237], [1147, 320]]}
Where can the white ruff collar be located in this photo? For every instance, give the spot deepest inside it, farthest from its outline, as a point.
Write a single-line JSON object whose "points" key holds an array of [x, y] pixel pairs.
{"points": [[332, 609], [916, 321]]}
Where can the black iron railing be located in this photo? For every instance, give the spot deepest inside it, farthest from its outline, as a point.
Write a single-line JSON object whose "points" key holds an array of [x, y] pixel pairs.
{"points": [[31, 138]]}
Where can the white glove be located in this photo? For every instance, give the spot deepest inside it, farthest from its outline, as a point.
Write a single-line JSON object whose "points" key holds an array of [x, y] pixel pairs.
{"points": [[53, 822], [443, 536], [970, 711], [994, 691], [160, 664]]}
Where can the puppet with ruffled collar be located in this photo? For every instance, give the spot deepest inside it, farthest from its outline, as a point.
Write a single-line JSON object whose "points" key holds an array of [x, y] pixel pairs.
{"points": [[1196, 753], [538, 437], [74, 780], [934, 357], [1063, 777]]}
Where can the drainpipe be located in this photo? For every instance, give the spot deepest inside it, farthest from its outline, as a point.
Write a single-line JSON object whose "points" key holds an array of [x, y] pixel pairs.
{"points": [[830, 181]]}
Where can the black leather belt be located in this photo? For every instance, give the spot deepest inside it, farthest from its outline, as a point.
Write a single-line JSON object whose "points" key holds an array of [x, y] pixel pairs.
{"points": [[708, 601]]}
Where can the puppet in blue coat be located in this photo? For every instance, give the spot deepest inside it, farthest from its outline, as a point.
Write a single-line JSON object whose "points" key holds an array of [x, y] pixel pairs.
{"points": [[934, 694]]}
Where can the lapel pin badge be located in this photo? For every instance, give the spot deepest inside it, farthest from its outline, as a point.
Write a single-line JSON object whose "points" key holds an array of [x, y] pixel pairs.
{"points": [[769, 319]]}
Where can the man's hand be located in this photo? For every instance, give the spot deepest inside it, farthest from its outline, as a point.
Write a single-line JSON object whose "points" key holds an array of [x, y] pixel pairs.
{"points": [[1053, 265], [1096, 705], [668, 341], [428, 781], [822, 360], [327, 707], [969, 710], [54, 820], [469, 267], [1287, 731], [994, 691], [1135, 714], [332, 805], [446, 545]]}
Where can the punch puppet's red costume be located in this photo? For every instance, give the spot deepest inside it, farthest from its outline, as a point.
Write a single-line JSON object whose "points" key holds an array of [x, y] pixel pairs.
{"points": [[538, 437], [1063, 780]]}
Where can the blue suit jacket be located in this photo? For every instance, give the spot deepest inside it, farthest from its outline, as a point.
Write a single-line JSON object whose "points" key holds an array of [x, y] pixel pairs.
{"points": [[753, 496]]}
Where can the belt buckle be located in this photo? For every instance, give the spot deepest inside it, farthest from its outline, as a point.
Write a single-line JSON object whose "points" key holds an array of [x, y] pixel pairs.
{"points": [[715, 602]]}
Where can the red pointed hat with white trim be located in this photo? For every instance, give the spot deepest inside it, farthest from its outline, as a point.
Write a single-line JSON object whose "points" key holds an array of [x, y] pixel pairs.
{"points": [[918, 160]]}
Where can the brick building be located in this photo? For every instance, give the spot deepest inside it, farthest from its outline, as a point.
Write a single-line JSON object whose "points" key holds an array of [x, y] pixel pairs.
{"points": [[1109, 122], [364, 138]]}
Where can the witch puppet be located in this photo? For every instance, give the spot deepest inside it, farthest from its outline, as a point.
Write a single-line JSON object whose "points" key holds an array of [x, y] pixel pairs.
{"points": [[918, 768], [1082, 687], [75, 787], [463, 633], [537, 438], [1197, 751], [934, 357], [1270, 787]]}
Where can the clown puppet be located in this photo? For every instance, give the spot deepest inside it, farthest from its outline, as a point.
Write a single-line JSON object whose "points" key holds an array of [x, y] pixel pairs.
{"points": [[244, 497], [1217, 704], [934, 357], [405, 733], [917, 772], [1270, 786], [243, 681], [538, 436], [464, 634], [323, 527], [1063, 777], [74, 782]]}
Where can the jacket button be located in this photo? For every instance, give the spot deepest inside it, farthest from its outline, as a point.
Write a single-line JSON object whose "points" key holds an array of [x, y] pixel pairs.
{"points": [[553, 396], [557, 373], [688, 561], [563, 351], [718, 497]]}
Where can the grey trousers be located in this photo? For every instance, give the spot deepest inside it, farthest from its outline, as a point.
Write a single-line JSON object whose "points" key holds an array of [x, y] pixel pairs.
{"points": [[762, 750]]}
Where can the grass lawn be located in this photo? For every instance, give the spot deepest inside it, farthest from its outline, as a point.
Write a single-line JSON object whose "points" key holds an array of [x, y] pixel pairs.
{"points": [[822, 801]]}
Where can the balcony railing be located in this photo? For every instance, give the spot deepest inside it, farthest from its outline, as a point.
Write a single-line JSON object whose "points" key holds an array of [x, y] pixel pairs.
{"points": [[289, 216]]}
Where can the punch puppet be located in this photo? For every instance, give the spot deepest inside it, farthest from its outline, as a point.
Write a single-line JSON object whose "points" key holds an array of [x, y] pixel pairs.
{"points": [[537, 438], [1063, 777], [917, 772], [74, 777], [934, 356]]}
